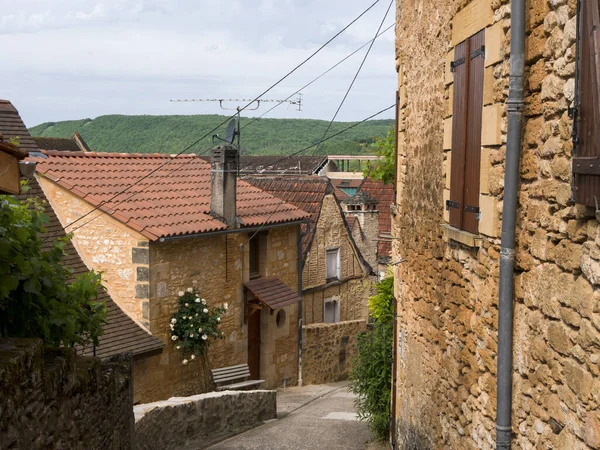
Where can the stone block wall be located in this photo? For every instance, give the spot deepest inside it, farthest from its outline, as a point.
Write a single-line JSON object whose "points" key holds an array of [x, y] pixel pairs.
{"points": [[328, 350], [106, 245], [217, 266], [353, 288], [56, 400], [447, 291], [201, 420]]}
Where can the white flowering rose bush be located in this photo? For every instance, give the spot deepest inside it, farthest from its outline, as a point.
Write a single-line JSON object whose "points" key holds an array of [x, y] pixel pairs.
{"points": [[194, 325]]}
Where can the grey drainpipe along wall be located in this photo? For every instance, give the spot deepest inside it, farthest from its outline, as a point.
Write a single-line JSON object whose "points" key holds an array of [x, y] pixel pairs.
{"points": [[509, 212]]}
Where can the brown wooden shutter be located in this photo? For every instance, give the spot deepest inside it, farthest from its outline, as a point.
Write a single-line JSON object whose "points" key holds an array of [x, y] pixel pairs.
{"points": [[586, 163], [466, 133], [459, 129], [473, 145]]}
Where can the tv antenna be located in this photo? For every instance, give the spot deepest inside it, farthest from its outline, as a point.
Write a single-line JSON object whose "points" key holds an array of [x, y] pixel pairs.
{"points": [[296, 102]]}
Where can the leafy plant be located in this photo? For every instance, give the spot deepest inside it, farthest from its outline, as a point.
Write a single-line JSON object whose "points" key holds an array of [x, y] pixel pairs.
{"points": [[37, 298], [194, 325], [383, 169], [371, 373]]}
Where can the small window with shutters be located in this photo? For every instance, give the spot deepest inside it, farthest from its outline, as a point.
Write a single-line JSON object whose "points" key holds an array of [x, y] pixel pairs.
{"points": [[586, 112], [467, 68], [331, 310]]}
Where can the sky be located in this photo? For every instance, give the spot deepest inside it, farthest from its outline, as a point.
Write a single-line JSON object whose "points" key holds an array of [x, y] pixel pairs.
{"points": [[75, 59]]}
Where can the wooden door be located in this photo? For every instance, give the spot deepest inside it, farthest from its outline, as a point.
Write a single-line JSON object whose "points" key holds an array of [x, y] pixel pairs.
{"points": [[254, 343]]}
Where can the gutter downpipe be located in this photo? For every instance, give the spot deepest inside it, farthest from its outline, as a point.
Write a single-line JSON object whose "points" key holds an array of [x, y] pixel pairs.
{"points": [[300, 237], [509, 212]]}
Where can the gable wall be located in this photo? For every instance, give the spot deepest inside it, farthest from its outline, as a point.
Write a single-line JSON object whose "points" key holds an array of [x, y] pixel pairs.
{"points": [[354, 289], [106, 245], [447, 291]]}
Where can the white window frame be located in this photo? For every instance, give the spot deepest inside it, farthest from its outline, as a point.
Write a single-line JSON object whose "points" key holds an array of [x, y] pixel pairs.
{"points": [[337, 275], [336, 302]]}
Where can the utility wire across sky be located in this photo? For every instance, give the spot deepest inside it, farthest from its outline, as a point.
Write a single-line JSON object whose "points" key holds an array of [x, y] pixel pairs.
{"points": [[104, 202]]}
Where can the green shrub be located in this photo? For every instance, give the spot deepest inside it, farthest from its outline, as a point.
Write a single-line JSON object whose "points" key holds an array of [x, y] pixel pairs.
{"points": [[37, 298], [371, 373]]}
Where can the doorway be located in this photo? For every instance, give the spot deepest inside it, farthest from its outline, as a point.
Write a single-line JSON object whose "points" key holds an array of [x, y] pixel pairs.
{"points": [[254, 343]]}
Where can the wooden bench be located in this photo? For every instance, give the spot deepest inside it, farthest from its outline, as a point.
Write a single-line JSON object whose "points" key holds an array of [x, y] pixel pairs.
{"points": [[234, 377]]}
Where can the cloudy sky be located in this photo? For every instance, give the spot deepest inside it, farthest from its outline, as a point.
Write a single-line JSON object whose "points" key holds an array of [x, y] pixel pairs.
{"points": [[72, 59]]}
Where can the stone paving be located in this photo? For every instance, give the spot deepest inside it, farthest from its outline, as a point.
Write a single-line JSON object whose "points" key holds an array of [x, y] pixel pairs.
{"points": [[310, 417]]}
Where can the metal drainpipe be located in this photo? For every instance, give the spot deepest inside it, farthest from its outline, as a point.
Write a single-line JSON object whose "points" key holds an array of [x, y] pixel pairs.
{"points": [[509, 212], [300, 236]]}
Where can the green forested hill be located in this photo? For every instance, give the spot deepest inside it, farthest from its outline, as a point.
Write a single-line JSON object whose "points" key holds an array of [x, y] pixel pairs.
{"points": [[171, 134]]}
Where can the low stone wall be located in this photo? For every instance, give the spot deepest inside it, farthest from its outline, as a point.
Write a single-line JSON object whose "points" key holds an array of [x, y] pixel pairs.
{"points": [[202, 418], [328, 349], [52, 399]]}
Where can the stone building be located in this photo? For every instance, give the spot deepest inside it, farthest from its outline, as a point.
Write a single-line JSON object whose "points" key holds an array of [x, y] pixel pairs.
{"points": [[336, 278], [452, 59], [182, 226]]}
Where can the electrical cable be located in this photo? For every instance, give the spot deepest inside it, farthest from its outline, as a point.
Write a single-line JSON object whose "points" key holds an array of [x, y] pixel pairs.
{"points": [[356, 75], [226, 120], [317, 78]]}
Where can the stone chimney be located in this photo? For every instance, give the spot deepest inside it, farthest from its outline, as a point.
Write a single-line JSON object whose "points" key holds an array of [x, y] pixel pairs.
{"points": [[223, 178], [364, 207]]}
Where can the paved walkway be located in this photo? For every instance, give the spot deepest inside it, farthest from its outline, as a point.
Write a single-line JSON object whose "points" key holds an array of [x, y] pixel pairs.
{"points": [[311, 417]]}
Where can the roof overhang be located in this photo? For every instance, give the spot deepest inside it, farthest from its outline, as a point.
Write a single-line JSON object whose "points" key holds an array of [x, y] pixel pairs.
{"points": [[272, 292]]}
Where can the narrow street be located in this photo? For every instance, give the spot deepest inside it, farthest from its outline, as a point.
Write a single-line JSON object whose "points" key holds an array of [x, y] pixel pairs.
{"points": [[311, 417]]}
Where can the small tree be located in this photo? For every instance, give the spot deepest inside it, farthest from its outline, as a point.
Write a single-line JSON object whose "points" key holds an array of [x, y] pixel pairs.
{"points": [[383, 169], [37, 298], [371, 373]]}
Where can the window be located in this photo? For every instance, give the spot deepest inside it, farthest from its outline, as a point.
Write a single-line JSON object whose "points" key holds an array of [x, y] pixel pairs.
{"points": [[332, 264], [586, 123], [331, 310], [467, 109], [255, 257]]}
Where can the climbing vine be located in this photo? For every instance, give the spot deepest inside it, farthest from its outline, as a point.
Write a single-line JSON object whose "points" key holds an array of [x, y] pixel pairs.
{"points": [[38, 297]]}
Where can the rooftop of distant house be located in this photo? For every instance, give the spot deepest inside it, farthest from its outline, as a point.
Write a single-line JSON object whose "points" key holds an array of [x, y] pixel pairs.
{"points": [[280, 164], [159, 195]]}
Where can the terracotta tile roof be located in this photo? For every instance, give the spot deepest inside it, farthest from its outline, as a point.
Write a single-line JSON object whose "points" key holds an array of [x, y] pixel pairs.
{"points": [[53, 143], [11, 126], [173, 201], [121, 333], [305, 192], [384, 193], [272, 292], [280, 165]]}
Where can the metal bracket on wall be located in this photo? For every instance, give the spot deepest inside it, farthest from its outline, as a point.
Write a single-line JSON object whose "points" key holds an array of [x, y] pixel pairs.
{"points": [[455, 64], [451, 204], [479, 52]]}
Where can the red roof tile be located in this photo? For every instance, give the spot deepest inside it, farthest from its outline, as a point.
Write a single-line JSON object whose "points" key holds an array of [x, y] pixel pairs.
{"points": [[11, 126], [174, 200], [384, 193], [305, 192], [121, 333]]}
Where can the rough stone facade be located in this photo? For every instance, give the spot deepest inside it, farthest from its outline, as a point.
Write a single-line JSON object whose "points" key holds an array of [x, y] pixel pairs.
{"points": [[217, 267], [447, 291], [201, 420], [106, 245], [51, 399], [328, 350], [145, 277], [354, 286]]}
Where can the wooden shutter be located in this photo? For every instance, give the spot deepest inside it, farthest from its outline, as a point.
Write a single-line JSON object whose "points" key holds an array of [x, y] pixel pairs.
{"points": [[459, 129], [467, 110], [473, 145], [586, 164]]}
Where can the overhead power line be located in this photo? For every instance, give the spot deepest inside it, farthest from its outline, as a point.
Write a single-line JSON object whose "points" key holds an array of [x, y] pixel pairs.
{"points": [[276, 162], [317, 78], [322, 140], [224, 122], [356, 75]]}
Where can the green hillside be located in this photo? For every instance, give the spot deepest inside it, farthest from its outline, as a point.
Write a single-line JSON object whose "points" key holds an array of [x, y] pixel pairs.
{"points": [[170, 134]]}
